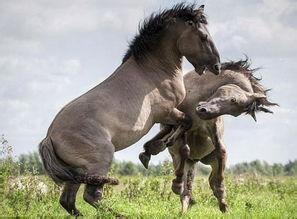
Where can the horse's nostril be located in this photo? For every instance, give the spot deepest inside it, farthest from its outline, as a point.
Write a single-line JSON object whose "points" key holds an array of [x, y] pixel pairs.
{"points": [[202, 110], [217, 67]]}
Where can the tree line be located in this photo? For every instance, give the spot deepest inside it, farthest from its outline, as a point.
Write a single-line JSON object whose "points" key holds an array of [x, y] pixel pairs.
{"points": [[31, 163]]}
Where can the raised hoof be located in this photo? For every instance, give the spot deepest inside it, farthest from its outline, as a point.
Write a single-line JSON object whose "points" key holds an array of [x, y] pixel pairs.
{"points": [[176, 187], [145, 159]]}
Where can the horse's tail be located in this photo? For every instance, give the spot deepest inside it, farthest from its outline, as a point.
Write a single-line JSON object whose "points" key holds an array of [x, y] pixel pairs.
{"points": [[54, 166], [60, 172]]}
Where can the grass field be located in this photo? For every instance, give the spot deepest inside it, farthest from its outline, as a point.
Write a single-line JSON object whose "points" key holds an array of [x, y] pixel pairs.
{"points": [[151, 197]]}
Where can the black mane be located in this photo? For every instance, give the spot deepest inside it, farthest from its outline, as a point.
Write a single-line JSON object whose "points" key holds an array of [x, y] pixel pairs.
{"points": [[244, 67], [151, 28]]}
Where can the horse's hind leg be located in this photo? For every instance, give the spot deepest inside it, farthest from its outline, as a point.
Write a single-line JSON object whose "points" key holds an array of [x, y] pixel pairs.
{"points": [[68, 196], [186, 197], [216, 177], [97, 170], [184, 151]]}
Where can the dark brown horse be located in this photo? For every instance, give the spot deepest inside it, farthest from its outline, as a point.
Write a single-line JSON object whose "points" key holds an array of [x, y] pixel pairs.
{"points": [[145, 89]]}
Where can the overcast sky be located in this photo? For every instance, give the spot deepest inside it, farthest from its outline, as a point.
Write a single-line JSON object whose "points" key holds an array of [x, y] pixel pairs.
{"points": [[51, 51]]}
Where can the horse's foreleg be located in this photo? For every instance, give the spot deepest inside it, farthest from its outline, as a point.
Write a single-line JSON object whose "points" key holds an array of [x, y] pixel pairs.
{"points": [[67, 198], [183, 123], [167, 136], [155, 145]]}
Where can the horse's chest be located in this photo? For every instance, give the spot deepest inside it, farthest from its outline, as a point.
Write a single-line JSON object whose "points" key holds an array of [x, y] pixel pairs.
{"points": [[173, 91], [167, 98]]}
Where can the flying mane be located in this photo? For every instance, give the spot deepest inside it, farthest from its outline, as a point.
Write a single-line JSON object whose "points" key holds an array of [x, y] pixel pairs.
{"points": [[150, 31], [244, 67]]}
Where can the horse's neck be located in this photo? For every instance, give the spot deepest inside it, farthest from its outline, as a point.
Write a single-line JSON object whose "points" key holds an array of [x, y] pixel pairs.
{"points": [[165, 57], [200, 88]]}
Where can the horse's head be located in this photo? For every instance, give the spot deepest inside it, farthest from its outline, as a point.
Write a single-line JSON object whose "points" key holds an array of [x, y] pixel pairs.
{"points": [[196, 44], [232, 100]]}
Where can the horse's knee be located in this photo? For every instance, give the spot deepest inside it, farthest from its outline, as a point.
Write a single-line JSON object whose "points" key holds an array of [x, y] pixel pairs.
{"points": [[154, 147], [184, 151], [219, 191], [177, 187], [222, 153]]}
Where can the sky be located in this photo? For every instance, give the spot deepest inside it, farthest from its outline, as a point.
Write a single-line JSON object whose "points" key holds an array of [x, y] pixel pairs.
{"points": [[52, 51]]}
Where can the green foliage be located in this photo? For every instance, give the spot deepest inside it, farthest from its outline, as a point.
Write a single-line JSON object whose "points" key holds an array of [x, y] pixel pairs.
{"points": [[264, 169], [139, 196], [291, 168], [7, 166], [30, 163], [148, 192]]}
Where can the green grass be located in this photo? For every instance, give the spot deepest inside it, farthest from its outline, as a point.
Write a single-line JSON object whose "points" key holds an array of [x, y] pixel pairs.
{"points": [[151, 197]]}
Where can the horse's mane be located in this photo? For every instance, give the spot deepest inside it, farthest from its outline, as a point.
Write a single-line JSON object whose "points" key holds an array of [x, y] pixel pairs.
{"points": [[244, 67], [151, 29]]}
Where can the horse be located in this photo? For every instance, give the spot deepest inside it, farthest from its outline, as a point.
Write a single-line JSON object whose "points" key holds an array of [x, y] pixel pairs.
{"points": [[145, 89], [234, 92]]}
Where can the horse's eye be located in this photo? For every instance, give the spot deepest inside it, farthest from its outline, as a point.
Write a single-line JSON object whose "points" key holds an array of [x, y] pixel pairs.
{"points": [[233, 100], [204, 37]]}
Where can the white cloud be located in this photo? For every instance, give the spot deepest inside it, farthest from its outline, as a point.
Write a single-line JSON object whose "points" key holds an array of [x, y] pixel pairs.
{"points": [[256, 29]]}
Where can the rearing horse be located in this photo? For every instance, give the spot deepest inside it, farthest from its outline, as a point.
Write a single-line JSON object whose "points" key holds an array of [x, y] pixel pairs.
{"points": [[145, 89]]}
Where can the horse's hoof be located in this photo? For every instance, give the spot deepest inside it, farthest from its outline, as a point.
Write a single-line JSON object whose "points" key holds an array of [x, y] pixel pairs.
{"points": [[76, 213], [145, 159], [223, 207], [119, 216]]}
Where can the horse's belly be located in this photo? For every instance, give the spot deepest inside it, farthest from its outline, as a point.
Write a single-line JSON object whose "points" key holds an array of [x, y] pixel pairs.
{"points": [[200, 147], [130, 130], [200, 151], [126, 139]]}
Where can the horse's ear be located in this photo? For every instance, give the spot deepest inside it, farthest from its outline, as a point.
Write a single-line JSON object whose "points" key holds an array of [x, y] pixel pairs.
{"points": [[200, 10]]}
